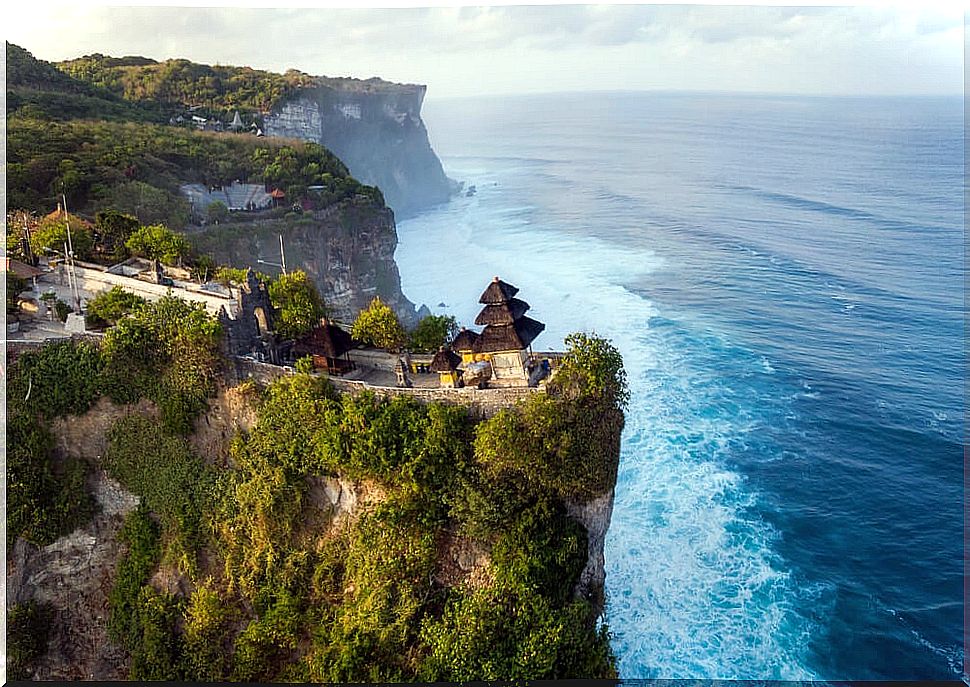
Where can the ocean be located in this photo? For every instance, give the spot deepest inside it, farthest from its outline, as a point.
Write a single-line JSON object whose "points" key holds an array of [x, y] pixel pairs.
{"points": [[784, 277]]}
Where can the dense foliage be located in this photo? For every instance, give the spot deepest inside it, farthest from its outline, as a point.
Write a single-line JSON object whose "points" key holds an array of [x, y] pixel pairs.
{"points": [[138, 168], [377, 325], [166, 351], [50, 235], [174, 483], [28, 626], [431, 332], [286, 585], [38, 89], [297, 303], [218, 88], [158, 242], [110, 307]]}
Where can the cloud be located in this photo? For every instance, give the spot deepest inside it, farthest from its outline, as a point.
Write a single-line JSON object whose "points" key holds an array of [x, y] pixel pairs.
{"points": [[459, 50]]}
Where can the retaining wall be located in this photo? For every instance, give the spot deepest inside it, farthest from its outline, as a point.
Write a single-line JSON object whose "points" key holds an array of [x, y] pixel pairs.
{"points": [[482, 403]]}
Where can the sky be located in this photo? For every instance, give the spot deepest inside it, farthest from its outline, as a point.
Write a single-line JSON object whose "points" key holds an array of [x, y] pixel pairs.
{"points": [[900, 49]]}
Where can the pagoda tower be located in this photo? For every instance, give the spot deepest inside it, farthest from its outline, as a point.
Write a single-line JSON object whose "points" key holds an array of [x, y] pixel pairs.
{"points": [[508, 333]]}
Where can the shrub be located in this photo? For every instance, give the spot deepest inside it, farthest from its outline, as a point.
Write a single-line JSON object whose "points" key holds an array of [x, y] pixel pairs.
{"points": [[508, 632], [27, 635], [141, 535], [167, 351], [109, 307], [171, 480], [260, 645], [297, 303], [158, 242], [155, 651], [60, 378], [591, 366], [62, 310], [51, 232], [568, 447], [432, 332], [207, 622], [377, 325]]}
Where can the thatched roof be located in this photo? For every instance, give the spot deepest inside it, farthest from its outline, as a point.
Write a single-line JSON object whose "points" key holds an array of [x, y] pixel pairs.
{"points": [[465, 341], [445, 361], [325, 339], [22, 269], [498, 292], [502, 313], [512, 337]]}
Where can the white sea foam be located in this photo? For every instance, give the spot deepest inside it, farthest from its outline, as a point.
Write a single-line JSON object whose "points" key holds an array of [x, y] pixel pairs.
{"points": [[694, 588]]}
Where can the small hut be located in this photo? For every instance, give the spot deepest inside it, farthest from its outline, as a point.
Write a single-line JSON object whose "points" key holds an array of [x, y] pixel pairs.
{"points": [[446, 363], [278, 196], [329, 346], [508, 333], [464, 344]]}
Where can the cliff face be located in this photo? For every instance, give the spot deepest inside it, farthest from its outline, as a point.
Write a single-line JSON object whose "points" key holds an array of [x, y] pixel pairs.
{"points": [[347, 250], [73, 576], [377, 132]]}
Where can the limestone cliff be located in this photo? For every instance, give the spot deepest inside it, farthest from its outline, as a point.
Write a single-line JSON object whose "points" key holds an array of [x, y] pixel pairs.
{"points": [[375, 127], [346, 249]]}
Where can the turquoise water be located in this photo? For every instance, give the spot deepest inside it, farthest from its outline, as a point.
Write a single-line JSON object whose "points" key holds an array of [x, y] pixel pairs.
{"points": [[784, 277]]}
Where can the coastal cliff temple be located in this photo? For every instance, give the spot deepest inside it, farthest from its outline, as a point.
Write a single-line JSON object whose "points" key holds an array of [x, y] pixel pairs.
{"points": [[507, 336]]}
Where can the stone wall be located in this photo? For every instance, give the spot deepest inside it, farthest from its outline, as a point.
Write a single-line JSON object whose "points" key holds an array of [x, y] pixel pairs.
{"points": [[482, 403], [92, 281]]}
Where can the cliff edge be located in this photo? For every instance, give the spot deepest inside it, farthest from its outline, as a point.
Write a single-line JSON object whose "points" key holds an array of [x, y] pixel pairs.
{"points": [[375, 127]]}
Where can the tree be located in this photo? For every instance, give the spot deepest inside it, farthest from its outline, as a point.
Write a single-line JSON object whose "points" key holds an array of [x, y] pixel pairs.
{"points": [[378, 326], [51, 234], [113, 229], [158, 242], [592, 365], [298, 305], [217, 211], [432, 332], [204, 268], [108, 307]]}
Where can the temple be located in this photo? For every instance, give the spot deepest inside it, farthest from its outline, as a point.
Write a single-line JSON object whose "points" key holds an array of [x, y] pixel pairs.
{"points": [[506, 340]]}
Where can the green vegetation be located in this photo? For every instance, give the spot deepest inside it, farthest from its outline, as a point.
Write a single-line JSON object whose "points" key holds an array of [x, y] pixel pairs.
{"points": [[281, 590], [377, 325], [432, 332], [110, 307], [166, 351], [28, 626], [172, 481], [51, 233], [112, 229], [38, 89], [297, 303], [157, 242], [46, 498], [220, 89], [138, 168]]}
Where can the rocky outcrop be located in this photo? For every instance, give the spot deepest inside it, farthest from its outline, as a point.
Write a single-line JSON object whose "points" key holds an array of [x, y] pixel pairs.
{"points": [[346, 249], [73, 577], [375, 127], [595, 516]]}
